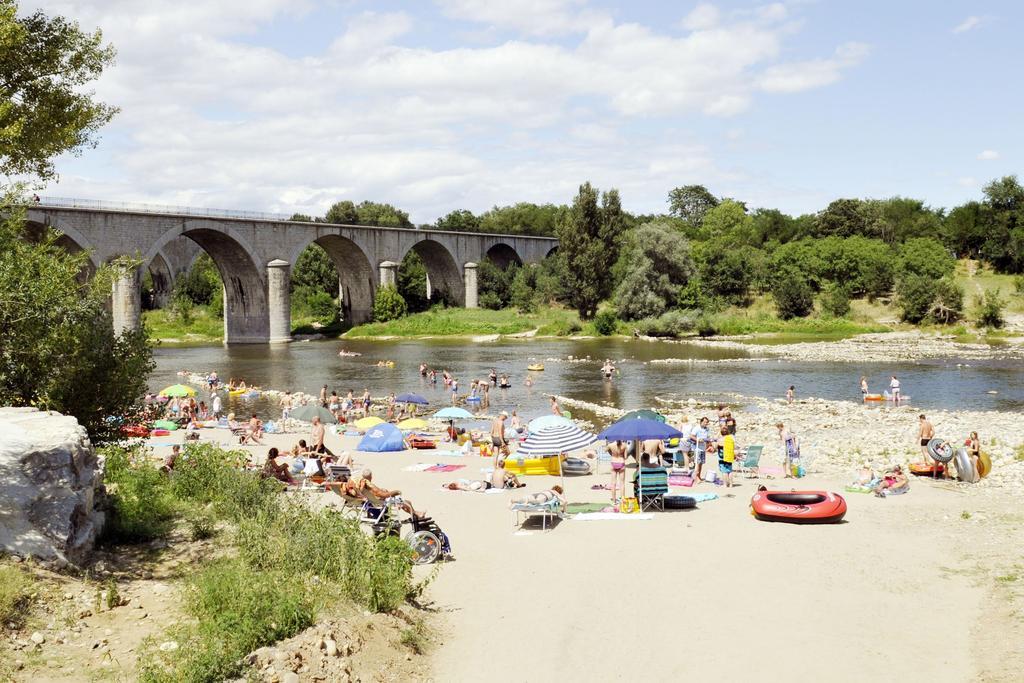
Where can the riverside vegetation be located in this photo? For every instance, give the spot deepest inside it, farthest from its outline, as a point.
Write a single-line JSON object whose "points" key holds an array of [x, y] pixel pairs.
{"points": [[282, 565], [707, 266]]}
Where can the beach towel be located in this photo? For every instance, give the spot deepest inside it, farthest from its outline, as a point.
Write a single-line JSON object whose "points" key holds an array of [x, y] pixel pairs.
{"points": [[680, 480], [421, 467], [577, 508], [444, 468], [605, 516], [449, 454]]}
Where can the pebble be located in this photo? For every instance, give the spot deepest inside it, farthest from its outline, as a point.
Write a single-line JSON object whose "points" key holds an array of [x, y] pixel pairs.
{"points": [[37, 638], [290, 677], [332, 648], [169, 646]]}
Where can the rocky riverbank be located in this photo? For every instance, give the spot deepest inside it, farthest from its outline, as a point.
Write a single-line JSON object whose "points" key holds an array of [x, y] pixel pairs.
{"points": [[872, 348]]}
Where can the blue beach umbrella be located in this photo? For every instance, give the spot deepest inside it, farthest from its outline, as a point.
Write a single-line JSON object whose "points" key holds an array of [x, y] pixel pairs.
{"points": [[411, 398], [454, 413], [638, 430], [545, 421]]}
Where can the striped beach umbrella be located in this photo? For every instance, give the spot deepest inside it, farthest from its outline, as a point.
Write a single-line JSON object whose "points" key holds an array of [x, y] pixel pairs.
{"points": [[554, 440]]}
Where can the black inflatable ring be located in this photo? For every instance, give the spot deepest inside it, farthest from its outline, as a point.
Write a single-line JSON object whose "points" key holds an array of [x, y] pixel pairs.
{"points": [[679, 502], [940, 450]]}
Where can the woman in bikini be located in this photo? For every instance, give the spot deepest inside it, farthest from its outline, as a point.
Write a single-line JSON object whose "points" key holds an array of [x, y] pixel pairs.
{"points": [[475, 485], [617, 451], [541, 497]]}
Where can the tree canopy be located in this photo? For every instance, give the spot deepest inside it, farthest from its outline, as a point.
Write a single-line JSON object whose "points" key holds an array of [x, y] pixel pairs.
{"points": [[44, 64]]}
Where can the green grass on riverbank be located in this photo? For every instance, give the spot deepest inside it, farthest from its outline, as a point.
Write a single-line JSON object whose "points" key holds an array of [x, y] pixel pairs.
{"points": [[760, 318], [548, 321], [204, 328]]}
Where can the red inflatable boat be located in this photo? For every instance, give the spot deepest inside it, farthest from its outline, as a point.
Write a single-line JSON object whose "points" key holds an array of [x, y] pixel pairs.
{"points": [[800, 507]]}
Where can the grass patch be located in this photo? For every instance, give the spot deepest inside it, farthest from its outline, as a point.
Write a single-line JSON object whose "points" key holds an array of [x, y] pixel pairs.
{"points": [[984, 278], [1018, 453], [442, 322], [204, 326], [280, 555], [1012, 577], [17, 591], [416, 637], [738, 322], [965, 515]]}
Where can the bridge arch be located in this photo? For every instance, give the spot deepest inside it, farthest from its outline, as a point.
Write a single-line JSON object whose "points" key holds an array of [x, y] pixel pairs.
{"points": [[503, 255], [162, 279], [70, 239], [356, 276], [443, 271], [246, 313]]}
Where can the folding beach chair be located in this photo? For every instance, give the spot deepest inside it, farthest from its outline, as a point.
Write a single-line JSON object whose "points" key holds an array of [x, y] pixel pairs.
{"points": [[750, 459], [650, 484], [552, 508]]}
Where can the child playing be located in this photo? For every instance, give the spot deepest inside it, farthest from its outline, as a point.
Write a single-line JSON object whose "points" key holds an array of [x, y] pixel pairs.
{"points": [[727, 456]]}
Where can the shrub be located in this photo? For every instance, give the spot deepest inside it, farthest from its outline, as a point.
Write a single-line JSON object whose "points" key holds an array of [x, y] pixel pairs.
{"points": [[321, 306], [915, 294], [926, 257], [209, 475], [182, 309], [605, 322], [523, 292], [835, 300], [794, 298], [1018, 285], [491, 301], [217, 304], [141, 507], [990, 309], [670, 324], [948, 304], [388, 305], [16, 591], [236, 611]]}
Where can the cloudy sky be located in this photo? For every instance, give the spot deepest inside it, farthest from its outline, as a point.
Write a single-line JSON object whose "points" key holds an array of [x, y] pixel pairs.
{"points": [[290, 105]]}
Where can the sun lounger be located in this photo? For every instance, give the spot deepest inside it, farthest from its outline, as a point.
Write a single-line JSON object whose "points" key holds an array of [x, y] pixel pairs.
{"points": [[552, 508]]}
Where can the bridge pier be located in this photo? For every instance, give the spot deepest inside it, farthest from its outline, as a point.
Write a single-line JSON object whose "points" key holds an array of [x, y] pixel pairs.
{"points": [[126, 300], [388, 273], [469, 280], [279, 301]]}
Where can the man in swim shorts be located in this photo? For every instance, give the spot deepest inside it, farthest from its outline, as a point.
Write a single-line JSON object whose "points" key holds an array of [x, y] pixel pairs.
{"points": [[925, 432], [498, 431]]}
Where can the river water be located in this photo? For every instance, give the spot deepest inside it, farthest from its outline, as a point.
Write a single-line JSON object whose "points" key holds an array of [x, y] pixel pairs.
{"points": [[306, 366]]}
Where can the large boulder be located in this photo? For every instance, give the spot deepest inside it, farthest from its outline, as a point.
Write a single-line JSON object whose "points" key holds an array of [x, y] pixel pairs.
{"points": [[49, 485]]}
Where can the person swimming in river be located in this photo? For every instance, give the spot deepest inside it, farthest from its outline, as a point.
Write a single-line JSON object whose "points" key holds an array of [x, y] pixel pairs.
{"points": [[504, 383], [607, 369]]}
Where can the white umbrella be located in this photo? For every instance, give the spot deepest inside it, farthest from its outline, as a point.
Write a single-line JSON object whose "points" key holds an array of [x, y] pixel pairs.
{"points": [[553, 441]]}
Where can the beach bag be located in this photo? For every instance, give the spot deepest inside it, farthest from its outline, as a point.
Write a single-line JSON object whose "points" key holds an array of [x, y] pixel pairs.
{"points": [[629, 505]]}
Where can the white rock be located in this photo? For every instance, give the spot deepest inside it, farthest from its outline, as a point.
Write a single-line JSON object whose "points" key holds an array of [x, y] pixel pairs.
{"points": [[169, 646], [37, 638], [332, 648]]}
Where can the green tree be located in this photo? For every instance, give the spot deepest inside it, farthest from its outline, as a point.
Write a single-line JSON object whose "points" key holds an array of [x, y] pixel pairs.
{"points": [[843, 218], [45, 64], [835, 300], [926, 256], [691, 203], [964, 229], [794, 298], [412, 282], [729, 223], [584, 237], [523, 218], [460, 220], [724, 271], [367, 213], [924, 298], [201, 283], [495, 284], [654, 266], [343, 213], [315, 270], [58, 349], [1004, 230], [523, 292], [388, 305]]}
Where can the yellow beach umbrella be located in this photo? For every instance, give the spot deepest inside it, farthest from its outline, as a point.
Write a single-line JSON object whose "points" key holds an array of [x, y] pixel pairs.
{"points": [[367, 422], [413, 423], [177, 390]]}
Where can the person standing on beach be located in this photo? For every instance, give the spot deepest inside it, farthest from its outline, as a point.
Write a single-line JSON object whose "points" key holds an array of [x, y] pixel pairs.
{"points": [[894, 386], [286, 405], [790, 394], [498, 432], [454, 383], [316, 437], [791, 447], [863, 386], [555, 409], [699, 441], [726, 456], [217, 407], [617, 451], [925, 433], [323, 396]]}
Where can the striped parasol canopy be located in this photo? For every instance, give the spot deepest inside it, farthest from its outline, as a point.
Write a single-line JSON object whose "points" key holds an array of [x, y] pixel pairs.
{"points": [[554, 440]]}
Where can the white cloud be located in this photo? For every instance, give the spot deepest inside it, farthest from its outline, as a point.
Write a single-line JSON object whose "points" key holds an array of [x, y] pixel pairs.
{"points": [[531, 17], [702, 17], [798, 76], [967, 181], [988, 155], [211, 116], [967, 24]]}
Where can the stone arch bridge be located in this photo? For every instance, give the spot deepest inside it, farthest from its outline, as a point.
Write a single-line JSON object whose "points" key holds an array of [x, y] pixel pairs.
{"points": [[255, 252]]}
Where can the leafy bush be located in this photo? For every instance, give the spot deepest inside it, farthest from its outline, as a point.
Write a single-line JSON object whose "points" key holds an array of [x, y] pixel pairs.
{"points": [[200, 283], [523, 291], [835, 300], [605, 322], [794, 298], [915, 294], [388, 305], [322, 307], [206, 474], [670, 324], [1018, 285], [182, 309], [990, 307], [948, 304], [16, 591], [141, 506], [491, 301], [926, 257], [236, 611]]}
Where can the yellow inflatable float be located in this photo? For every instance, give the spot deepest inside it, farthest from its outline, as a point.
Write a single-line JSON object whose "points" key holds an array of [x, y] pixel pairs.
{"points": [[536, 367], [532, 466]]}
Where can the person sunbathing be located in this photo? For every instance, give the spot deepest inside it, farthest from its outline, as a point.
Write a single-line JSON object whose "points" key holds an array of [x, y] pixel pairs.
{"points": [[474, 485], [367, 489], [893, 483], [541, 497], [272, 469]]}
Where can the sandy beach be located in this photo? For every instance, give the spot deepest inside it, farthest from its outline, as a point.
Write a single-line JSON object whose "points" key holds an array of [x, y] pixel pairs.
{"points": [[712, 592]]}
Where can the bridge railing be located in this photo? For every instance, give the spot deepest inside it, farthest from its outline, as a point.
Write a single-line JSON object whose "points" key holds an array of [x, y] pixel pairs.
{"points": [[100, 204]]}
